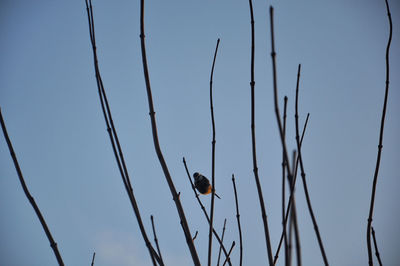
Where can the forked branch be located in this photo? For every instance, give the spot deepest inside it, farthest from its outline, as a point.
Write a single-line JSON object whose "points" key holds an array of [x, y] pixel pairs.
{"points": [[205, 212], [156, 239], [289, 208], [376, 246], [112, 133], [222, 240], [303, 175]]}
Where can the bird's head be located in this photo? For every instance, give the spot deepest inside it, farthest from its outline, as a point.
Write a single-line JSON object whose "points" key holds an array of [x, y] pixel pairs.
{"points": [[195, 175]]}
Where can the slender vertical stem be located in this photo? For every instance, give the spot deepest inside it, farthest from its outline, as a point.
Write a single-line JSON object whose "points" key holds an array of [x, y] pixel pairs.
{"points": [[291, 198], [156, 240], [205, 212], [222, 240], [212, 160], [293, 212], [157, 147], [281, 133], [114, 136], [238, 221], [94, 254], [275, 88], [290, 241], [303, 175], [380, 145], [253, 141], [283, 183], [376, 247], [46, 229]]}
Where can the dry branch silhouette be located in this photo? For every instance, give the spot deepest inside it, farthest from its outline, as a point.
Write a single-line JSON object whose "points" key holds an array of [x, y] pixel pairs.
{"points": [[114, 136], [293, 211], [285, 99], [204, 211], [157, 147], [46, 229], [94, 254], [380, 145], [212, 159], [376, 246], [253, 140], [222, 241], [303, 175], [156, 240], [238, 221]]}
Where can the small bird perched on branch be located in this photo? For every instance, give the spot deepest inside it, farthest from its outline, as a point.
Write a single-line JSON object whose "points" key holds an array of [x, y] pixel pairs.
{"points": [[202, 184]]}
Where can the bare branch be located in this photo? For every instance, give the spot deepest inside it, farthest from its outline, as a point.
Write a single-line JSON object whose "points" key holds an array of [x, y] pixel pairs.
{"points": [[229, 253], [303, 175], [283, 182], [222, 240], [204, 211], [380, 145], [195, 235], [292, 181], [281, 133], [376, 247], [156, 240], [253, 142], [238, 221], [94, 254], [157, 147], [114, 136], [212, 160], [46, 229], [293, 212]]}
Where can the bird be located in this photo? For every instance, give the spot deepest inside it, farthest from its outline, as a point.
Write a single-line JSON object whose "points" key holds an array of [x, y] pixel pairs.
{"points": [[202, 184]]}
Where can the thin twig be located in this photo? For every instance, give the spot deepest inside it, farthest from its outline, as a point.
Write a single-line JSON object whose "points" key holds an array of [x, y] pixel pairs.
{"points": [[281, 133], [253, 141], [283, 182], [204, 211], [291, 198], [181, 213], [277, 114], [94, 254], [222, 240], [238, 221], [229, 253], [376, 247], [46, 229], [275, 88], [380, 145], [195, 235], [290, 241], [293, 212], [156, 240], [303, 175], [114, 136], [212, 160]]}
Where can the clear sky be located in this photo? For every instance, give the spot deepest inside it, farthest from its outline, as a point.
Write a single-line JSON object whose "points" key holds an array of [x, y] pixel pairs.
{"points": [[49, 100]]}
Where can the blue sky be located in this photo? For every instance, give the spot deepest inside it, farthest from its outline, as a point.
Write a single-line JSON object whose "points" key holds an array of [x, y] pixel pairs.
{"points": [[49, 100]]}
